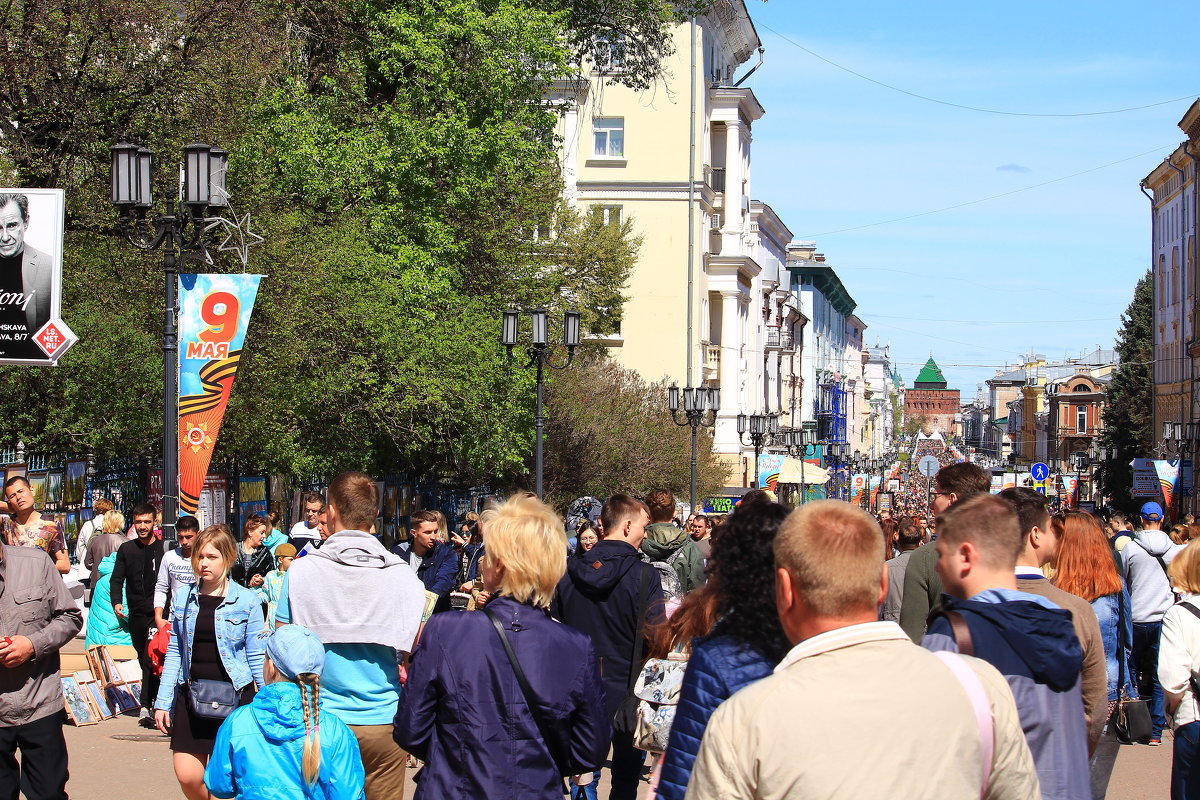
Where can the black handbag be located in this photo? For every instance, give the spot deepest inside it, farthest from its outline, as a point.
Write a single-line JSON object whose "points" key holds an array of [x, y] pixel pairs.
{"points": [[207, 699], [1131, 719], [626, 717]]}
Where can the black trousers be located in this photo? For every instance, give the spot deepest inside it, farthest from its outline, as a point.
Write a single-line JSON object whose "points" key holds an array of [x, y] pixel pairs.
{"points": [[42, 773], [141, 628]]}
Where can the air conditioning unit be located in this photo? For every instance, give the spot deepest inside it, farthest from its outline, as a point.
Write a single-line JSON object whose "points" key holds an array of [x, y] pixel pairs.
{"points": [[716, 222]]}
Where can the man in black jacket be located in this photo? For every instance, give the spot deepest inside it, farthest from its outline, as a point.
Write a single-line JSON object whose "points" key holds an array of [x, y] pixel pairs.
{"points": [[135, 573], [611, 594]]}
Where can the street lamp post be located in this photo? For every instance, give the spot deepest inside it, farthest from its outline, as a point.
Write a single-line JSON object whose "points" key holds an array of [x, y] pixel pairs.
{"points": [[540, 351], [762, 429], [695, 398], [180, 230], [836, 456], [797, 441]]}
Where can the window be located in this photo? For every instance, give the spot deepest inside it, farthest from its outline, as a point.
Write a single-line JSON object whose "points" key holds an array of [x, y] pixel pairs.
{"points": [[1081, 419], [609, 51], [608, 137], [611, 214]]}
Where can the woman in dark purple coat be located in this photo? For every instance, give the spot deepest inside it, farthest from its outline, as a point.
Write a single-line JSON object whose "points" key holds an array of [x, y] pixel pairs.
{"points": [[462, 710]]}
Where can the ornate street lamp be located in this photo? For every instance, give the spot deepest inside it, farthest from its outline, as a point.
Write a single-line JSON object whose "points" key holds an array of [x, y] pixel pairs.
{"points": [[797, 441], [698, 402], [762, 429], [181, 229], [540, 352]]}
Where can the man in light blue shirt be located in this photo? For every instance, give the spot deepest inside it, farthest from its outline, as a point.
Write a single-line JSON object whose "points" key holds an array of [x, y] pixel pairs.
{"points": [[365, 605]]}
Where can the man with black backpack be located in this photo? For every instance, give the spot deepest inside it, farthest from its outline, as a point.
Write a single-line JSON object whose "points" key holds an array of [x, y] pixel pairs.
{"points": [[612, 595], [1143, 564]]}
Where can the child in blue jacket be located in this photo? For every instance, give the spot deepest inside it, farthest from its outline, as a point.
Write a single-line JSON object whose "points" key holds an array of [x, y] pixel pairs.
{"points": [[281, 745]]}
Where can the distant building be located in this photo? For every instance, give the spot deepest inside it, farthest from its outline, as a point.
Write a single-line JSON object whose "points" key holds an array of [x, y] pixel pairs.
{"points": [[930, 399], [1174, 208]]}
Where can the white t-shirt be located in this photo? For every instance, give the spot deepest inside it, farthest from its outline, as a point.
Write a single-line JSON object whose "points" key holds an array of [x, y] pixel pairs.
{"points": [[174, 571], [301, 531]]}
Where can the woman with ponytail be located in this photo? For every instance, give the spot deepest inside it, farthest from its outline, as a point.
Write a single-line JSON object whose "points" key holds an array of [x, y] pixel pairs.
{"points": [[281, 745]]}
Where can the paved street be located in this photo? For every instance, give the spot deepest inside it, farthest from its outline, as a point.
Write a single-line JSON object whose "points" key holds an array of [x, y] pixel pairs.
{"points": [[117, 760]]}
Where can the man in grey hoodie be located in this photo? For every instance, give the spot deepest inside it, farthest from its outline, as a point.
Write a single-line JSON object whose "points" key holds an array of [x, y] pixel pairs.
{"points": [[364, 604], [667, 542], [1144, 566]]}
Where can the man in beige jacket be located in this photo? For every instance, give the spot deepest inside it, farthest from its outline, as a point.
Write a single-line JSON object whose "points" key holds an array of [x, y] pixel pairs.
{"points": [[856, 709]]}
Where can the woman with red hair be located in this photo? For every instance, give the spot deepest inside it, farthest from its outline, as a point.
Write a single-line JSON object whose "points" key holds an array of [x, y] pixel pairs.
{"points": [[1085, 568]]}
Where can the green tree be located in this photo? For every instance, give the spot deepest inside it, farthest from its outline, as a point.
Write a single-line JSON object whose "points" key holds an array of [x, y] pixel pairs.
{"points": [[399, 158], [608, 430], [1128, 411]]}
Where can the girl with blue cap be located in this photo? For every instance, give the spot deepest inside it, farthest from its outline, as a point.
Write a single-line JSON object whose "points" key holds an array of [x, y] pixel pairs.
{"points": [[281, 745]]}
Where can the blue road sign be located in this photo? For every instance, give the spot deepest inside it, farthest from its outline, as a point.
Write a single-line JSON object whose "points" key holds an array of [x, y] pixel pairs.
{"points": [[1039, 472]]}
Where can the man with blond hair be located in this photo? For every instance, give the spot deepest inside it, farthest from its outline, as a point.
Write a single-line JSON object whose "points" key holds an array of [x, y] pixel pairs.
{"points": [[942, 727], [1025, 636], [364, 604]]}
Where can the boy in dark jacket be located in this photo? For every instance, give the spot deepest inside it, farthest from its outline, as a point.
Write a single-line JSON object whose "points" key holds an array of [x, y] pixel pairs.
{"points": [[667, 542], [1028, 638], [609, 595]]}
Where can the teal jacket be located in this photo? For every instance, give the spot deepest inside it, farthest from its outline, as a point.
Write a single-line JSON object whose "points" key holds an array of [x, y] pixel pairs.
{"points": [[260, 748], [103, 624]]}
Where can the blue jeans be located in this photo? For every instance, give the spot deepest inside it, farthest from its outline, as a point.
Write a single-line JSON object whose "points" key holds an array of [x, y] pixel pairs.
{"points": [[1185, 763], [1145, 664]]}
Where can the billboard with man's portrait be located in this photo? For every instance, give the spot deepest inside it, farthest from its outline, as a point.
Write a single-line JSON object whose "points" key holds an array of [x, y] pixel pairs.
{"points": [[31, 250]]}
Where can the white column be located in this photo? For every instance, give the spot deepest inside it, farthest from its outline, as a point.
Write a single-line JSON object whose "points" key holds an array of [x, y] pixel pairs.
{"points": [[725, 436], [734, 175]]}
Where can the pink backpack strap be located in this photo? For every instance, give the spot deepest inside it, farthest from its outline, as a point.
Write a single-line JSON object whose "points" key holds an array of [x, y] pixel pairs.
{"points": [[983, 711]]}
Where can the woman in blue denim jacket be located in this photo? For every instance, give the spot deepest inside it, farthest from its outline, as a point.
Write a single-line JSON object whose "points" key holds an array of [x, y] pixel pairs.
{"points": [[220, 622], [1085, 568]]}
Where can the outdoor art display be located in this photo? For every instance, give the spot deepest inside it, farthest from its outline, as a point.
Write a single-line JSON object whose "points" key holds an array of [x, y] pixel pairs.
{"points": [[214, 313], [74, 483], [31, 255]]}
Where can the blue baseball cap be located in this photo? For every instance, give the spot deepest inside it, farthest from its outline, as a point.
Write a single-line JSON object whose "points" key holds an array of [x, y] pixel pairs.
{"points": [[295, 650], [1152, 512]]}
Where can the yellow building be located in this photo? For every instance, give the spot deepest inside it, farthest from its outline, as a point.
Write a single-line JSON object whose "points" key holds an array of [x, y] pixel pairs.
{"points": [[1174, 204], [709, 301]]}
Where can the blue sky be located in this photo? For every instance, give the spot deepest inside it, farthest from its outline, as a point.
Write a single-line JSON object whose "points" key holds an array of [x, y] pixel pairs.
{"points": [[1051, 268]]}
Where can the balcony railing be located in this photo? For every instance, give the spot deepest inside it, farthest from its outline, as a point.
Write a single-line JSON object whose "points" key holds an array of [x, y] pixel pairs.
{"points": [[781, 339], [716, 179], [712, 361]]}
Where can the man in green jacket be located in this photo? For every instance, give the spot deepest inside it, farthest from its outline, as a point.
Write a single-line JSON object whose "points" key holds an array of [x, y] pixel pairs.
{"points": [[922, 586], [665, 541]]}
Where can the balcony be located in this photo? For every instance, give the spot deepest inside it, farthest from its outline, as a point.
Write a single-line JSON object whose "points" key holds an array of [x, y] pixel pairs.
{"points": [[711, 368], [778, 339], [715, 177]]}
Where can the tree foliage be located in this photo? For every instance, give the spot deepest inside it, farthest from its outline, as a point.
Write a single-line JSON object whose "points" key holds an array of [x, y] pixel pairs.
{"points": [[1129, 411], [608, 430], [400, 159]]}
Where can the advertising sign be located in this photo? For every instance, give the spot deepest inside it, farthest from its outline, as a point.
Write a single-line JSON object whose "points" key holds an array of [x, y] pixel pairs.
{"points": [[997, 483], [1010, 480], [214, 312], [31, 248], [858, 488], [769, 465], [1145, 479]]}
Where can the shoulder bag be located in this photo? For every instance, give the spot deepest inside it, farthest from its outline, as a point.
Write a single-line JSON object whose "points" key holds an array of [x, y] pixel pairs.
{"points": [[552, 743], [625, 719], [1131, 719], [207, 699]]}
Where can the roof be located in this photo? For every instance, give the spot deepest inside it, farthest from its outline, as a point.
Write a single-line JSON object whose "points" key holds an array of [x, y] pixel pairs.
{"points": [[930, 377]]}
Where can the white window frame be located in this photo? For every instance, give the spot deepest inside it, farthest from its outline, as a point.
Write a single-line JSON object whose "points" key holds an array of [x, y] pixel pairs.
{"points": [[607, 126]]}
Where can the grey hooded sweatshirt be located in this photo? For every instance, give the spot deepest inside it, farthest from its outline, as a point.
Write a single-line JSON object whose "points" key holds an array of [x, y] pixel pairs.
{"points": [[1149, 590]]}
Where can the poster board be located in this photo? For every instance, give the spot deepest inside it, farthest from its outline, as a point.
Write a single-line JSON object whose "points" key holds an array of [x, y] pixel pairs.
{"points": [[30, 329]]}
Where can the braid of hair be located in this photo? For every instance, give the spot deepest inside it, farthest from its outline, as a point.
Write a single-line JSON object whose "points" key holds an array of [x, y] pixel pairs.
{"points": [[311, 763]]}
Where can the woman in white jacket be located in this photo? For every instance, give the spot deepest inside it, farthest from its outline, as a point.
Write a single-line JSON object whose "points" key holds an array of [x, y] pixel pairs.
{"points": [[1178, 669]]}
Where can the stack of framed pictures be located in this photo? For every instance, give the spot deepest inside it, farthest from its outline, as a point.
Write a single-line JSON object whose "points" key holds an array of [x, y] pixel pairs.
{"points": [[117, 684]]}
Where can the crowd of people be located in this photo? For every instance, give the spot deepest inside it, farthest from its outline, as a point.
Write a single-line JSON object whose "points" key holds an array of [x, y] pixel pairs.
{"points": [[990, 649]]}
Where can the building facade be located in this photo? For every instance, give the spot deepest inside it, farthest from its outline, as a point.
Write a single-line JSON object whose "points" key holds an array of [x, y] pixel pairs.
{"points": [[929, 399], [1174, 196]]}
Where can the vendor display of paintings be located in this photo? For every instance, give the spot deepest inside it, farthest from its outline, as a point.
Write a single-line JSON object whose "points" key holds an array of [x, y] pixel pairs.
{"points": [[37, 484], [54, 485], [79, 710], [74, 483]]}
